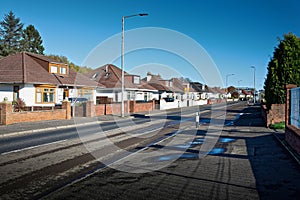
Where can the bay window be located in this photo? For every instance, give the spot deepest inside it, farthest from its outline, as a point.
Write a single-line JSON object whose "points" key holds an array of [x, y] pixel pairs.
{"points": [[45, 95]]}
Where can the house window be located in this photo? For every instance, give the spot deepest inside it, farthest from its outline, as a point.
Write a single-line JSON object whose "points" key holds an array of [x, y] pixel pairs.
{"points": [[86, 93], [130, 95], [58, 69], [136, 80], [45, 95], [53, 69], [63, 70]]}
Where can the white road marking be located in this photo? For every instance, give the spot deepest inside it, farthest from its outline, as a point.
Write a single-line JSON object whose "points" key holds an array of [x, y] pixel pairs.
{"points": [[32, 147]]}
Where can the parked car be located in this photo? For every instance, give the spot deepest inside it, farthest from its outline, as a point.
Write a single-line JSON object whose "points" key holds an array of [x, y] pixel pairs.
{"points": [[169, 99], [77, 100]]}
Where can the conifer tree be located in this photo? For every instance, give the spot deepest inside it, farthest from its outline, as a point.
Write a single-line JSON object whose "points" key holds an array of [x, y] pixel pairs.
{"points": [[283, 69], [10, 34], [32, 41]]}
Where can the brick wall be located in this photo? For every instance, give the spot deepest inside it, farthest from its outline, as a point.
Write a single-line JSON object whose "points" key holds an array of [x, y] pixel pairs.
{"points": [[277, 113], [115, 108], [36, 116], [66, 105], [99, 109], [105, 109], [292, 137], [216, 101], [274, 115], [9, 117], [141, 106]]}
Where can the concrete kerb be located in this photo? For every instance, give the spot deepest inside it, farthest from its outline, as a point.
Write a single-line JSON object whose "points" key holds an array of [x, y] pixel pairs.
{"points": [[23, 133], [286, 146], [35, 131]]}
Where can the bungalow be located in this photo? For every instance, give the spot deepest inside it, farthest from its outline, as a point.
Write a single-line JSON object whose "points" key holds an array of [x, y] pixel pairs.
{"points": [[41, 81], [200, 89], [174, 92], [163, 87], [109, 79], [247, 94]]}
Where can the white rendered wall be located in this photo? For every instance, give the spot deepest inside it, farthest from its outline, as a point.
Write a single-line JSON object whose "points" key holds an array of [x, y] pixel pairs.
{"points": [[59, 95], [6, 91], [168, 105], [27, 94]]}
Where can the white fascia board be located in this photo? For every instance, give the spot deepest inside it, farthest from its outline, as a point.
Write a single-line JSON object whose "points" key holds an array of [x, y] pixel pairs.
{"points": [[142, 90]]}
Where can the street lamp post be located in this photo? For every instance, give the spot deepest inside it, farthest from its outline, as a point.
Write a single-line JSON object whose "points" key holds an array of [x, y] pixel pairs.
{"points": [[122, 59], [254, 83]]}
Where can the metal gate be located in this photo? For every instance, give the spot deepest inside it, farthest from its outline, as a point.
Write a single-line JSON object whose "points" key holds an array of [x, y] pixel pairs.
{"points": [[295, 107]]}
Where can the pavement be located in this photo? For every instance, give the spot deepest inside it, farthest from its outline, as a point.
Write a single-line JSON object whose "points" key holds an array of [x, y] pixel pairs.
{"points": [[253, 118]]}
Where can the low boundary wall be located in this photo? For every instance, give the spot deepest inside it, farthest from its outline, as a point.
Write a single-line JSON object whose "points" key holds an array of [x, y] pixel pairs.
{"points": [[274, 115], [7, 116], [115, 108]]}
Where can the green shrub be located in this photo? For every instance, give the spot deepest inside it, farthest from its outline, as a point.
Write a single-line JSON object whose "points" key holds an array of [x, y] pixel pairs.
{"points": [[280, 125]]}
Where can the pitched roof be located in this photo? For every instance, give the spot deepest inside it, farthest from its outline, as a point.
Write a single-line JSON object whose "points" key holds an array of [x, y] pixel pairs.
{"points": [[30, 68], [245, 92], [198, 87], [179, 85], [11, 69], [43, 57], [216, 90], [110, 76], [156, 82]]}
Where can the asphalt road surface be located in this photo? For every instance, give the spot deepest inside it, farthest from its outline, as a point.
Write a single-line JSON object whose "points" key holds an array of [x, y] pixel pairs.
{"points": [[246, 163], [165, 158]]}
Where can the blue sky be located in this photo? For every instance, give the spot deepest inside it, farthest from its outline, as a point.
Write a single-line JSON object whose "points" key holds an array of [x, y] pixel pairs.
{"points": [[235, 33]]}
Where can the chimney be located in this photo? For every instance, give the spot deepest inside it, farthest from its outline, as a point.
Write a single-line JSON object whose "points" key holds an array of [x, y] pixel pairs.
{"points": [[149, 76]]}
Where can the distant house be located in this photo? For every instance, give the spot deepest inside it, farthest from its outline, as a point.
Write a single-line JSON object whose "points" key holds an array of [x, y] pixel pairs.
{"points": [[163, 87], [41, 81], [247, 93], [215, 93], [109, 80], [174, 92], [200, 89]]}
